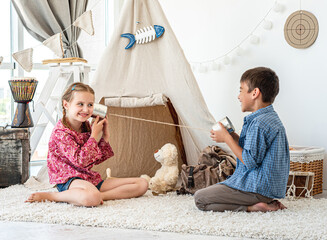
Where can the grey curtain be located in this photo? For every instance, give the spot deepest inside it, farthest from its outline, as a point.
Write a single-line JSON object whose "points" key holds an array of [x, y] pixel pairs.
{"points": [[44, 18]]}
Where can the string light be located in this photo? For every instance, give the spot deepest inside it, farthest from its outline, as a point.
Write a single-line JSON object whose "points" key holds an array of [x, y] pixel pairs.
{"points": [[239, 51], [203, 68], [226, 60], [253, 38], [215, 66], [267, 24], [278, 7]]}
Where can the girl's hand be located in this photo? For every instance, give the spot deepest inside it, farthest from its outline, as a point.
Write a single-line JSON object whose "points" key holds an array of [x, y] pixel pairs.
{"points": [[219, 135], [96, 130], [106, 130]]}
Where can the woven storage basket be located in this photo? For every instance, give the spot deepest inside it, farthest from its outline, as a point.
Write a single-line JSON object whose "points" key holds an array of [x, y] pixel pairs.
{"points": [[308, 159]]}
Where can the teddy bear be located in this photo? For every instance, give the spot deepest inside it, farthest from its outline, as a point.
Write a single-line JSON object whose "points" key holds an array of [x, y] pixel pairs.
{"points": [[166, 177]]}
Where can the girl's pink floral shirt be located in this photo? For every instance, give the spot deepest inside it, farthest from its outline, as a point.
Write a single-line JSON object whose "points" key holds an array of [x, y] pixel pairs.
{"points": [[73, 154]]}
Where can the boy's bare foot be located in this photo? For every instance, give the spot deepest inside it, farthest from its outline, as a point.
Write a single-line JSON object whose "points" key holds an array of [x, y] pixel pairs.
{"points": [[263, 207], [279, 204], [39, 197]]}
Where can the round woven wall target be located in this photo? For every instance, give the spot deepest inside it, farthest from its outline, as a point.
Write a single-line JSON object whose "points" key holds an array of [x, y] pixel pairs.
{"points": [[301, 29]]}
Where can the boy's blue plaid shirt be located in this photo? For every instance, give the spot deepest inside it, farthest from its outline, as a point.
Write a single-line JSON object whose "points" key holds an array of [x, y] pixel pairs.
{"points": [[265, 154]]}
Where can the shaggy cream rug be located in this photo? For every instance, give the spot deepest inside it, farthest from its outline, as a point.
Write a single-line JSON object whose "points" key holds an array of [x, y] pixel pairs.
{"points": [[304, 219]]}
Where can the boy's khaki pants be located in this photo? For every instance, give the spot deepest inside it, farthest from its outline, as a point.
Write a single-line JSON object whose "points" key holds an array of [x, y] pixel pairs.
{"points": [[220, 198]]}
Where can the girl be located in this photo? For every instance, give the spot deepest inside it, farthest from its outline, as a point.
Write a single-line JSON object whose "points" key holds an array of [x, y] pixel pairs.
{"points": [[74, 148]]}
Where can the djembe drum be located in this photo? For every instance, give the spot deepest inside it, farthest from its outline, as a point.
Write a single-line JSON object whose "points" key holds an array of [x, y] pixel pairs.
{"points": [[23, 90]]}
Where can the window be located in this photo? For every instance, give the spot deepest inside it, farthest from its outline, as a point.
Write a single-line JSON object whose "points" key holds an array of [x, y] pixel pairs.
{"points": [[5, 97], [6, 67]]}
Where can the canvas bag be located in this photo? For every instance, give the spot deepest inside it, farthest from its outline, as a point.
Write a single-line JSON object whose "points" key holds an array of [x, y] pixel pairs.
{"points": [[214, 166]]}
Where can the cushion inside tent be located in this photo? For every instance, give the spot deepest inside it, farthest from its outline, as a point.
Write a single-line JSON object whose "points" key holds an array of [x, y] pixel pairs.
{"points": [[135, 141]]}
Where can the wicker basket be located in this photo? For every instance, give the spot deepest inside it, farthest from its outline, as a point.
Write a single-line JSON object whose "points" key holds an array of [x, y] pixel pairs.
{"points": [[308, 159]]}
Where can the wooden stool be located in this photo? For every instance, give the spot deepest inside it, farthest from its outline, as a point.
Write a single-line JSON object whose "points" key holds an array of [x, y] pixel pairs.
{"points": [[300, 184], [309, 159]]}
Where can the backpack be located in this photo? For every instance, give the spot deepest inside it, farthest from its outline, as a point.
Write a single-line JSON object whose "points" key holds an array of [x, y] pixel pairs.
{"points": [[214, 166]]}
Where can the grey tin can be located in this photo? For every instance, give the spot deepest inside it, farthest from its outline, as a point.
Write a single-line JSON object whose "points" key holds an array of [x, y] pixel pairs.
{"points": [[226, 123]]}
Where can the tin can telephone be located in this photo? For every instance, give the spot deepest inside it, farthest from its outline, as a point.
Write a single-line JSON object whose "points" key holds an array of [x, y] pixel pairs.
{"points": [[226, 123], [99, 110]]}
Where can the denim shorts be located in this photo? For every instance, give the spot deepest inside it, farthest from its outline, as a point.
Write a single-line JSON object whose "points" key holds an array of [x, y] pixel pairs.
{"points": [[64, 186]]}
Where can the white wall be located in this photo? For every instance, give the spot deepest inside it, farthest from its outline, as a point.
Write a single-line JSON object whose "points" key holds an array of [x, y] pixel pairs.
{"points": [[208, 29]]}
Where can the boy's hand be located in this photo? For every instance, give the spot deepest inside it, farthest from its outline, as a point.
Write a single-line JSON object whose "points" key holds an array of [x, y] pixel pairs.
{"points": [[219, 135], [96, 131], [106, 130], [222, 135]]}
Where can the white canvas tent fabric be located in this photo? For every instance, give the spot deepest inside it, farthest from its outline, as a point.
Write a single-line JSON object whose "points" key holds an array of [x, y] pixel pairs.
{"points": [[157, 67]]}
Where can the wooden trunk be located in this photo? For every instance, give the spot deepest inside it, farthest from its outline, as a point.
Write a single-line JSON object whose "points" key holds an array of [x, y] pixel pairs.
{"points": [[14, 156]]}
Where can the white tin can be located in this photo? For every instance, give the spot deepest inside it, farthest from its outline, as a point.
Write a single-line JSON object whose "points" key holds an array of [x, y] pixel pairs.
{"points": [[99, 110]]}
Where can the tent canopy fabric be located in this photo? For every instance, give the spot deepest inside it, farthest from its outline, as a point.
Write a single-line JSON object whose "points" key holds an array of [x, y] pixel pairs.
{"points": [[157, 68]]}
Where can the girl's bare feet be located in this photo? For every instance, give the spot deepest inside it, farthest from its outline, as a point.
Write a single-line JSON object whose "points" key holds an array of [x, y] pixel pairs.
{"points": [[49, 196], [39, 197]]}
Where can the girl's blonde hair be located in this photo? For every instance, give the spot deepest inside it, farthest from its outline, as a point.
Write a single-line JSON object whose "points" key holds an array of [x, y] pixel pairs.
{"points": [[68, 96]]}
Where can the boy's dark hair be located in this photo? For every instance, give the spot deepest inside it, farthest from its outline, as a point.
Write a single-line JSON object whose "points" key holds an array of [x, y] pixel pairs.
{"points": [[265, 79]]}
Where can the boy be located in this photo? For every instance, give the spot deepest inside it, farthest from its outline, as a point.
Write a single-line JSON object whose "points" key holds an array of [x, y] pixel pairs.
{"points": [[262, 152]]}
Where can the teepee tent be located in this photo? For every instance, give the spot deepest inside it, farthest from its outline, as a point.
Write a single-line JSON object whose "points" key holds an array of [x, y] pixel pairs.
{"points": [[151, 81]]}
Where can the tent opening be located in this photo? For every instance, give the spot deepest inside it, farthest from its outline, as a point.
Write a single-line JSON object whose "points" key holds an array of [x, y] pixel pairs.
{"points": [[135, 141]]}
